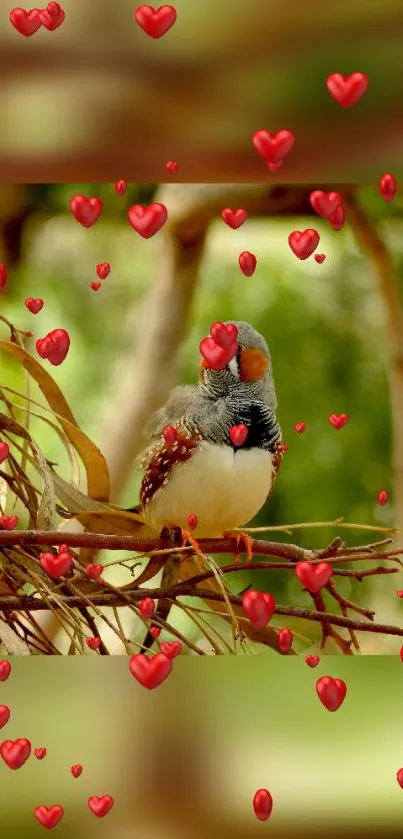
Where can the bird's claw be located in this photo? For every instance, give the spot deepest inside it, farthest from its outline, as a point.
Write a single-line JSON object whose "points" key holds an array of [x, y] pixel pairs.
{"points": [[240, 536]]}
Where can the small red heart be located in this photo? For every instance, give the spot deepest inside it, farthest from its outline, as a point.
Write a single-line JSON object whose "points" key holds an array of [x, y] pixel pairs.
{"points": [[34, 304], [4, 715], [338, 420], [284, 640], [238, 434], [51, 21], [338, 218], [9, 522], [273, 147], [86, 210], [147, 221], [331, 692], [234, 218], [216, 356], [44, 346], [382, 497], [319, 258], [103, 270], [4, 451], [172, 166], [155, 23], [192, 521], [49, 816], [155, 631], [171, 648], [312, 660], [274, 166], [303, 244], [40, 753], [56, 565], [147, 607], [300, 427], [15, 752], [94, 571], [400, 593], [259, 607], [120, 187], [313, 577], [400, 778], [3, 277], [76, 770], [5, 670], [347, 90], [262, 804], [170, 435], [95, 286], [100, 806], [325, 203], [224, 334], [93, 643], [26, 23], [61, 340], [247, 263], [387, 187], [150, 672]]}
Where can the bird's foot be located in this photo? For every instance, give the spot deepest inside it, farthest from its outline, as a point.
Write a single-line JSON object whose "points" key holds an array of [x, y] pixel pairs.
{"points": [[240, 536], [188, 539]]}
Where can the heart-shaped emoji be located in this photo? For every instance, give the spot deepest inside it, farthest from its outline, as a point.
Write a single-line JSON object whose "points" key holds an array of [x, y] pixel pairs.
{"points": [[193, 521], [262, 804], [15, 752], [49, 816], [259, 607], [93, 643], [147, 607], [94, 571], [95, 285], [86, 210], [4, 715], [34, 304], [76, 770], [338, 420], [26, 23], [347, 90], [120, 187], [319, 258], [273, 147], [381, 498], [147, 221], [103, 270], [217, 358], [3, 276], [387, 187], [56, 565], [101, 805], [172, 167], [247, 263], [61, 341], [5, 670], [9, 522], [155, 632], [284, 640], [325, 203], [234, 218], [238, 434], [331, 692], [150, 672], [399, 776], [155, 23], [40, 753], [224, 334], [312, 660], [44, 346], [313, 577], [4, 451], [300, 427], [338, 218], [171, 648], [303, 243], [51, 21]]}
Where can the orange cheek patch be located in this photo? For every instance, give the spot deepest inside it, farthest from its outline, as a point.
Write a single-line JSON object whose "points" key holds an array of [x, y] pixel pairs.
{"points": [[253, 365]]}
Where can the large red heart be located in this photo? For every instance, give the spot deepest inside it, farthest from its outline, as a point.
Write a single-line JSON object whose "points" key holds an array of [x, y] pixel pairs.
{"points": [[224, 334], [15, 752], [51, 21], [9, 522], [216, 356], [303, 244], [338, 420], [155, 23], [101, 805], [331, 692], [5, 670], [49, 816], [26, 23], [325, 204], [313, 577], [56, 565], [54, 346], [147, 221], [3, 276], [259, 607], [273, 147], [347, 90], [34, 304], [4, 715], [150, 672], [234, 218], [86, 210]]}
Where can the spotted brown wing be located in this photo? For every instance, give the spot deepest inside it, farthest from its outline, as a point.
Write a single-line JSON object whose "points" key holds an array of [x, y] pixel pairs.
{"points": [[162, 458]]}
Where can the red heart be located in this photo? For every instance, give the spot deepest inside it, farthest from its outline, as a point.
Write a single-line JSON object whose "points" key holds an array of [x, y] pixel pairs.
{"points": [[76, 770], [300, 427], [325, 204], [147, 607], [40, 753], [150, 672], [147, 221], [338, 420], [15, 752], [86, 210], [382, 497], [4, 451], [247, 263], [103, 270], [303, 244], [51, 21], [400, 778], [26, 23], [313, 577], [34, 304], [4, 715], [284, 640], [170, 435], [401, 653], [337, 218], [273, 147], [238, 434], [61, 340], [155, 631], [192, 521], [93, 643], [259, 607], [172, 166], [95, 286], [234, 218], [262, 804], [171, 649], [155, 23], [347, 90], [400, 593], [312, 660], [120, 187], [9, 522], [5, 670], [3, 276], [56, 565], [54, 10], [49, 816], [224, 334], [94, 571], [44, 346], [100, 806], [216, 356], [331, 692], [387, 187], [319, 257]]}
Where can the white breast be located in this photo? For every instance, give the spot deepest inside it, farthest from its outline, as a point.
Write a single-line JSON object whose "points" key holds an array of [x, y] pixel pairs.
{"points": [[222, 487]]}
